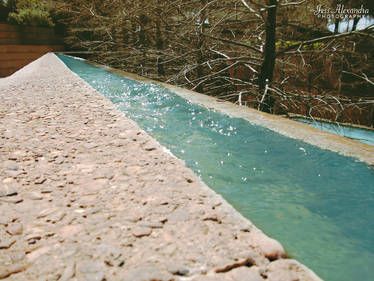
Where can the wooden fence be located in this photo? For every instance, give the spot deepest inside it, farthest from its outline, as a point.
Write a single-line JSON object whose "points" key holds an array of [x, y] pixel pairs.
{"points": [[20, 45]]}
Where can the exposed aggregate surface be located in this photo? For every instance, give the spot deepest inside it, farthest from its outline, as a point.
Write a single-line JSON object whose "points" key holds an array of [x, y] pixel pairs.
{"points": [[85, 194]]}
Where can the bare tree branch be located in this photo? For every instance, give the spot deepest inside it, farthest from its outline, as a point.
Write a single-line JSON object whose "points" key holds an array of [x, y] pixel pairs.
{"points": [[233, 42], [364, 77], [321, 39]]}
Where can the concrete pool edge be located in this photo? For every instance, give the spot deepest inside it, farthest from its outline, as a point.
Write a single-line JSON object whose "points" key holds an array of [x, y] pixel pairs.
{"points": [[267, 245], [279, 124]]}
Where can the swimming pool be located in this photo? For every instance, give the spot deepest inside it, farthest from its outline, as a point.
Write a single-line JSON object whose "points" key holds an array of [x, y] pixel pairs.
{"points": [[317, 203]]}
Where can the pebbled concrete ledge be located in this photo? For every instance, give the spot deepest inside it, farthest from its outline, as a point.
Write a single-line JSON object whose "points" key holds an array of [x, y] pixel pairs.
{"points": [[85, 194]]}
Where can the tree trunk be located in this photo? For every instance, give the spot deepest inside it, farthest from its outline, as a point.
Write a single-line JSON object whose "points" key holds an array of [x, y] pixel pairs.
{"points": [[267, 68], [200, 46], [336, 27], [355, 22], [143, 38], [159, 46], [134, 35]]}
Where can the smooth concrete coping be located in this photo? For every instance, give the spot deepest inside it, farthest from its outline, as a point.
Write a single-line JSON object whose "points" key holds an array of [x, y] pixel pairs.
{"points": [[287, 127]]}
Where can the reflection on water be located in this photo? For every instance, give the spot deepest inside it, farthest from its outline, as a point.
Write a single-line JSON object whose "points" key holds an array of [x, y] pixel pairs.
{"points": [[347, 25], [318, 204], [362, 135]]}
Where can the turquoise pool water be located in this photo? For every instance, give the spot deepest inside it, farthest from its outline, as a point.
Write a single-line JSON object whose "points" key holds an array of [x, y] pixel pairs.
{"points": [[317, 203], [362, 135]]}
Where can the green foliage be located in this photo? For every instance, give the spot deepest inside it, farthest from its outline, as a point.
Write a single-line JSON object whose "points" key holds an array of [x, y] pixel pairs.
{"points": [[27, 4], [286, 44], [31, 17], [30, 12]]}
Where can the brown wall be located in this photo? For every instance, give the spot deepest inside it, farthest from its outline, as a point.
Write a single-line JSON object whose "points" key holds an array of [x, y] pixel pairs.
{"points": [[21, 45]]}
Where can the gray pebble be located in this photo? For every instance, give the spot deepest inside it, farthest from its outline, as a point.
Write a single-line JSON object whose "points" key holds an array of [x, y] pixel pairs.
{"points": [[141, 231], [151, 224], [59, 160], [7, 191], [40, 180], [14, 199], [46, 190], [17, 257], [15, 229], [35, 196], [6, 244]]}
